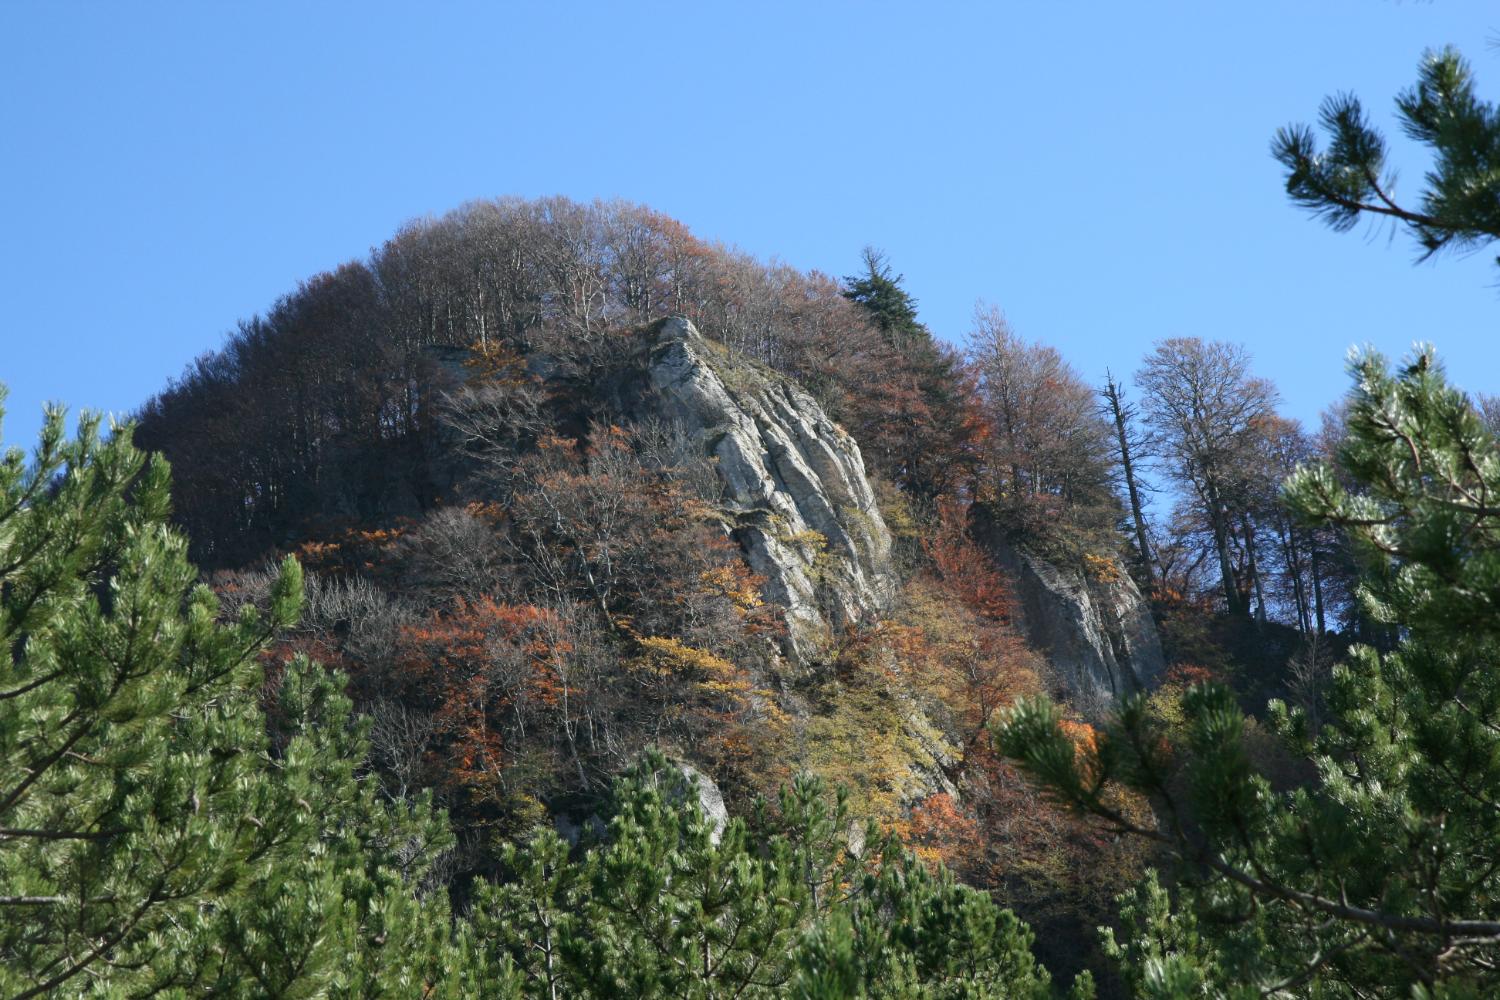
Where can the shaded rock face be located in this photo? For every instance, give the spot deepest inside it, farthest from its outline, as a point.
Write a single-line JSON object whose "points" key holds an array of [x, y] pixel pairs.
{"points": [[795, 492], [1097, 633]]}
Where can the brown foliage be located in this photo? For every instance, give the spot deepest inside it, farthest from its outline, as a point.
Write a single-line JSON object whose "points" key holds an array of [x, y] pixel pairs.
{"points": [[484, 671], [1047, 456], [334, 401]]}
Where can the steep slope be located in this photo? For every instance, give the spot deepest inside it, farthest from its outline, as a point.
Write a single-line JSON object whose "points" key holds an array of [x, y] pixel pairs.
{"points": [[1095, 629], [795, 491]]}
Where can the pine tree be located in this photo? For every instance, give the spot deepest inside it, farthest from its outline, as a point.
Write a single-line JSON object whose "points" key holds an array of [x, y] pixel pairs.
{"points": [[785, 903], [183, 815], [909, 933], [921, 426], [879, 292], [1379, 878], [154, 837], [1460, 208]]}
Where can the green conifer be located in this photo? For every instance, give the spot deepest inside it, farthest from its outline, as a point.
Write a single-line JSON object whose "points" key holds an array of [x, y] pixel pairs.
{"points": [[153, 838], [1350, 179], [781, 904]]}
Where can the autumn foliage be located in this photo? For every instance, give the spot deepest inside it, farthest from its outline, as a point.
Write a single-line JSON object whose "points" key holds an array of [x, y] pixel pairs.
{"points": [[483, 670], [527, 582], [331, 403]]}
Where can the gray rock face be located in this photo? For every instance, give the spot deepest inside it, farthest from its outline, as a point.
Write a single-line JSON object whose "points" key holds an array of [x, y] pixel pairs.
{"points": [[710, 799], [1098, 634], [795, 487]]}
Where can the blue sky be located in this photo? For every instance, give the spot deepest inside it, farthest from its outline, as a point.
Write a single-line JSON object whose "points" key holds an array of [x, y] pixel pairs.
{"points": [[1100, 171]]}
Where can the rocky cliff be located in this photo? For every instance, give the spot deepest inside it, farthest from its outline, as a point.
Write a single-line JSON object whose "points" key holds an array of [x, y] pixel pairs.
{"points": [[1095, 629], [795, 493], [801, 507]]}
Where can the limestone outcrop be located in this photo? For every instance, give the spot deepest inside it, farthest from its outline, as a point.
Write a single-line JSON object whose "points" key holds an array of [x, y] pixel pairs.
{"points": [[795, 493], [1095, 629]]}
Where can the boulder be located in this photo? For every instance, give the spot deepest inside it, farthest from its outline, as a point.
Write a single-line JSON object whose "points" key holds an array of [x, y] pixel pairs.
{"points": [[710, 799]]}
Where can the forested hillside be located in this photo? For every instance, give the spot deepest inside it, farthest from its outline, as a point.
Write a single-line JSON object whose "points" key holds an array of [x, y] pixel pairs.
{"points": [[541, 543], [551, 536], [555, 603]]}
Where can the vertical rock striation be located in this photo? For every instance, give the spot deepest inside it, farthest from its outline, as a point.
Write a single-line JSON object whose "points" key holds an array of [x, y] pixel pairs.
{"points": [[1096, 631], [795, 492]]}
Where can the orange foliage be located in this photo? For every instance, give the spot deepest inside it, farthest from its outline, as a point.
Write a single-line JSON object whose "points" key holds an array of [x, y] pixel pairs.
{"points": [[1084, 736], [498, 363], [481, 669], [939, 831], [1185, 675], [959, 639], [967, 571], [486, 510], [366, 551], [1100, 568], [1085, 745]]}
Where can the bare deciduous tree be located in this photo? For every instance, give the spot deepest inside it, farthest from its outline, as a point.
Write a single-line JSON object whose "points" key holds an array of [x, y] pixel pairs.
{"points": [[1122, 415], [1205, 410]]}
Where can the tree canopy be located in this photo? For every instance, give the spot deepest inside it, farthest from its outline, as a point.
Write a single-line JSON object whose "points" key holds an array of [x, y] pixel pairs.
{"points": [[1371, 872], [161, 830], [1377, 877], [184, 814]]}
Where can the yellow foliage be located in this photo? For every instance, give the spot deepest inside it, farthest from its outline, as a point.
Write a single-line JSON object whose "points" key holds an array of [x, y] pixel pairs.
{"points": [[871, 736], [670, 658], [809, 538], [486, 510], [1101, 568], [895, 510], [715, 709], [495, 361], [1165, 706], [739, 587], [862, 745]]}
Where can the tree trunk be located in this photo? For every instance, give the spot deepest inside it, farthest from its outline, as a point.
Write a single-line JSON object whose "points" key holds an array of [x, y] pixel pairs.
{"points": [[1254, 569], [1317, 582], [1117, 410], [1292, 553], [1230, 582]]}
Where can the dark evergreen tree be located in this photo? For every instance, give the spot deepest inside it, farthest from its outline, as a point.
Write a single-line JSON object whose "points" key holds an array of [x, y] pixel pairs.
{"points": [[154, 837], [922, 425], [878, 291], [1460, 207]]}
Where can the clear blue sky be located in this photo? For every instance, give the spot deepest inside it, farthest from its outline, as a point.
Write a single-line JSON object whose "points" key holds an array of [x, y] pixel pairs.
{"points": [[1099, 170]]}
